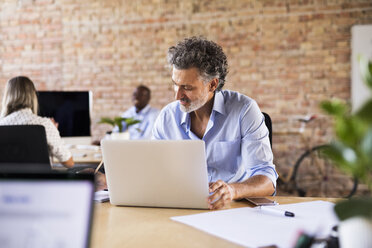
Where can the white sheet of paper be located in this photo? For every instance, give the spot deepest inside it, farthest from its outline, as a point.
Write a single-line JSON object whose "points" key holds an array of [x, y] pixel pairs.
{"points": [[101, 196], [253, 227]]}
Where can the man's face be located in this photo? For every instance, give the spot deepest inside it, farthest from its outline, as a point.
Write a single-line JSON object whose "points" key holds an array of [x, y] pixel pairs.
{"points": [[190, 90], [140, 98]]}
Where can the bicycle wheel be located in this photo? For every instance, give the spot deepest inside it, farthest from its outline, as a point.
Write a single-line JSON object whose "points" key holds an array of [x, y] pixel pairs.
{"points": [[315, 175]]}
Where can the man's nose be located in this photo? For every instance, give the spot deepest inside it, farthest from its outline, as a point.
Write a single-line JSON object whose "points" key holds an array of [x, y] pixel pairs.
{"points": [[178, 92]]}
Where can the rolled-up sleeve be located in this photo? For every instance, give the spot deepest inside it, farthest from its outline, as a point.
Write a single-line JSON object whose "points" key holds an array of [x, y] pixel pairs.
{"points": [[257, 156], [56, 146]]}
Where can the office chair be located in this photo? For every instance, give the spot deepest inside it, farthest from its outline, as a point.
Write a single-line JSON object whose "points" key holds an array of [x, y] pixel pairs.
{"points": [[269, 126], [23, 148]]}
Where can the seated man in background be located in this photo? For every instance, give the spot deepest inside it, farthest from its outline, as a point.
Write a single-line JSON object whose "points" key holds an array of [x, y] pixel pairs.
{"points": [[239, 156], [141, 111], [20, 106]]}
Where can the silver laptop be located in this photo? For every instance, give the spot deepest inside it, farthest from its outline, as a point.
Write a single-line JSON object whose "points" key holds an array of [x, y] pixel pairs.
{"points": [[156, 173]]}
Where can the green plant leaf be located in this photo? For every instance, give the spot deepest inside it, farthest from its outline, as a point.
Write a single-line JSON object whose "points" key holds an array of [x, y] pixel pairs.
{"points": [[365, 112], [334, 107], [131, 121], [350, 130], [345, 157], [118, 121], [354, 207], [107, 120]]}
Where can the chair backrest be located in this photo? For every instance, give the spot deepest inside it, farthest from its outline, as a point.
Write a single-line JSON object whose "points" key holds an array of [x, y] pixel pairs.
{"points": [[23, 145], [269, 126]]}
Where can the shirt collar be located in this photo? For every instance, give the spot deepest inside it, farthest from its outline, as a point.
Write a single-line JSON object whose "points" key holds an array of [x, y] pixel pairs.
{"points": [[144, 110], [26, 110], [184, 117], [219, 103]]}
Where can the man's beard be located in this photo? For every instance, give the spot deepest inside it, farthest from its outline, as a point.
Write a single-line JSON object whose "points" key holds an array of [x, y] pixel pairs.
{"points": [[194, 105]]}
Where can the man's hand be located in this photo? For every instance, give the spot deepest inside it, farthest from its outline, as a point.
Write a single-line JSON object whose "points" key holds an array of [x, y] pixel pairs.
{"points": [[99, 178], [223, 194]]}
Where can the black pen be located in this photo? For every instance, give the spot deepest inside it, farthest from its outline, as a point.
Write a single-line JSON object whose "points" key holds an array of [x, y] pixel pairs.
{"points": [[277, 211]]}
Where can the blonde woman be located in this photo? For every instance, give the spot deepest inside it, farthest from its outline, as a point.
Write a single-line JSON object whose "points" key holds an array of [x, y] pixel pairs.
{"points": [[20, 106]]}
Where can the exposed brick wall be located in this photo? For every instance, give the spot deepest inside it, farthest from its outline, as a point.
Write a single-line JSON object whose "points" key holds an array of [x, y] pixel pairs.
{"points": [[288, 55]]}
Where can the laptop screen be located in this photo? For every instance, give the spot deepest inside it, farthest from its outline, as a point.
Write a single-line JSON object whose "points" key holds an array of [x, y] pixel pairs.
{"points": [[45, 210]]}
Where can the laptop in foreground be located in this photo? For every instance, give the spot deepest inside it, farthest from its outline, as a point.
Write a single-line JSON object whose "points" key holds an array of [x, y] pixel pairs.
{"points": [[156, 173], [45, 209]]}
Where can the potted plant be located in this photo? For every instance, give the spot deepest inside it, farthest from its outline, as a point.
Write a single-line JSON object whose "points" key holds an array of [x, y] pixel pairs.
{"points": [[351, 150], [118, 121]]}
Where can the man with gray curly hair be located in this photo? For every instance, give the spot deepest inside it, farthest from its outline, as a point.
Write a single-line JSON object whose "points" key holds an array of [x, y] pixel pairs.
{"points": [[239, 156]]}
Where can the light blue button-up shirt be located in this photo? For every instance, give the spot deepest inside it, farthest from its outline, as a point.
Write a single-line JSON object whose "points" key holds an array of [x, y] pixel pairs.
{"points": [[236, 138], [142, 130]]}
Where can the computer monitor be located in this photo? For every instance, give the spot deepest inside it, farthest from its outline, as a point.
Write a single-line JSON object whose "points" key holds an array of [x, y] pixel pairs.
{"points": [[72, 110]]}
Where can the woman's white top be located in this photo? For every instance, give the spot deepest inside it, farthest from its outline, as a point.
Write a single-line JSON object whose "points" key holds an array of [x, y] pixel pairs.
{"points": [[26, 117]]}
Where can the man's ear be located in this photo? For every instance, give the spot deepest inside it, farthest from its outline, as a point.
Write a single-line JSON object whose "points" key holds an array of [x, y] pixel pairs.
{"points": [[213, 85]]}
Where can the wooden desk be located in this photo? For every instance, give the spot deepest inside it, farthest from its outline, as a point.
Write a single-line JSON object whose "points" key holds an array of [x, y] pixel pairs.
{"points": [[152, 227], [84, 156]]}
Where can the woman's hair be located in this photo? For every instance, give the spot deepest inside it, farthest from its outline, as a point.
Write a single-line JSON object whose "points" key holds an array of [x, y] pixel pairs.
{"points": [[19, 93]]}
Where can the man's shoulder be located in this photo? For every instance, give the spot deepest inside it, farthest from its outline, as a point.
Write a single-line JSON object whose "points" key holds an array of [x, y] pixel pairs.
{"points": [[170, 112], [154, 110], [129, 112], [167, 121], [235, 99], [172, 107]]}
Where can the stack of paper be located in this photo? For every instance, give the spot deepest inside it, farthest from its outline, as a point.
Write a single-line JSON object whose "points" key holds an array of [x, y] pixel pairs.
{"points": [[253, 227]]}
